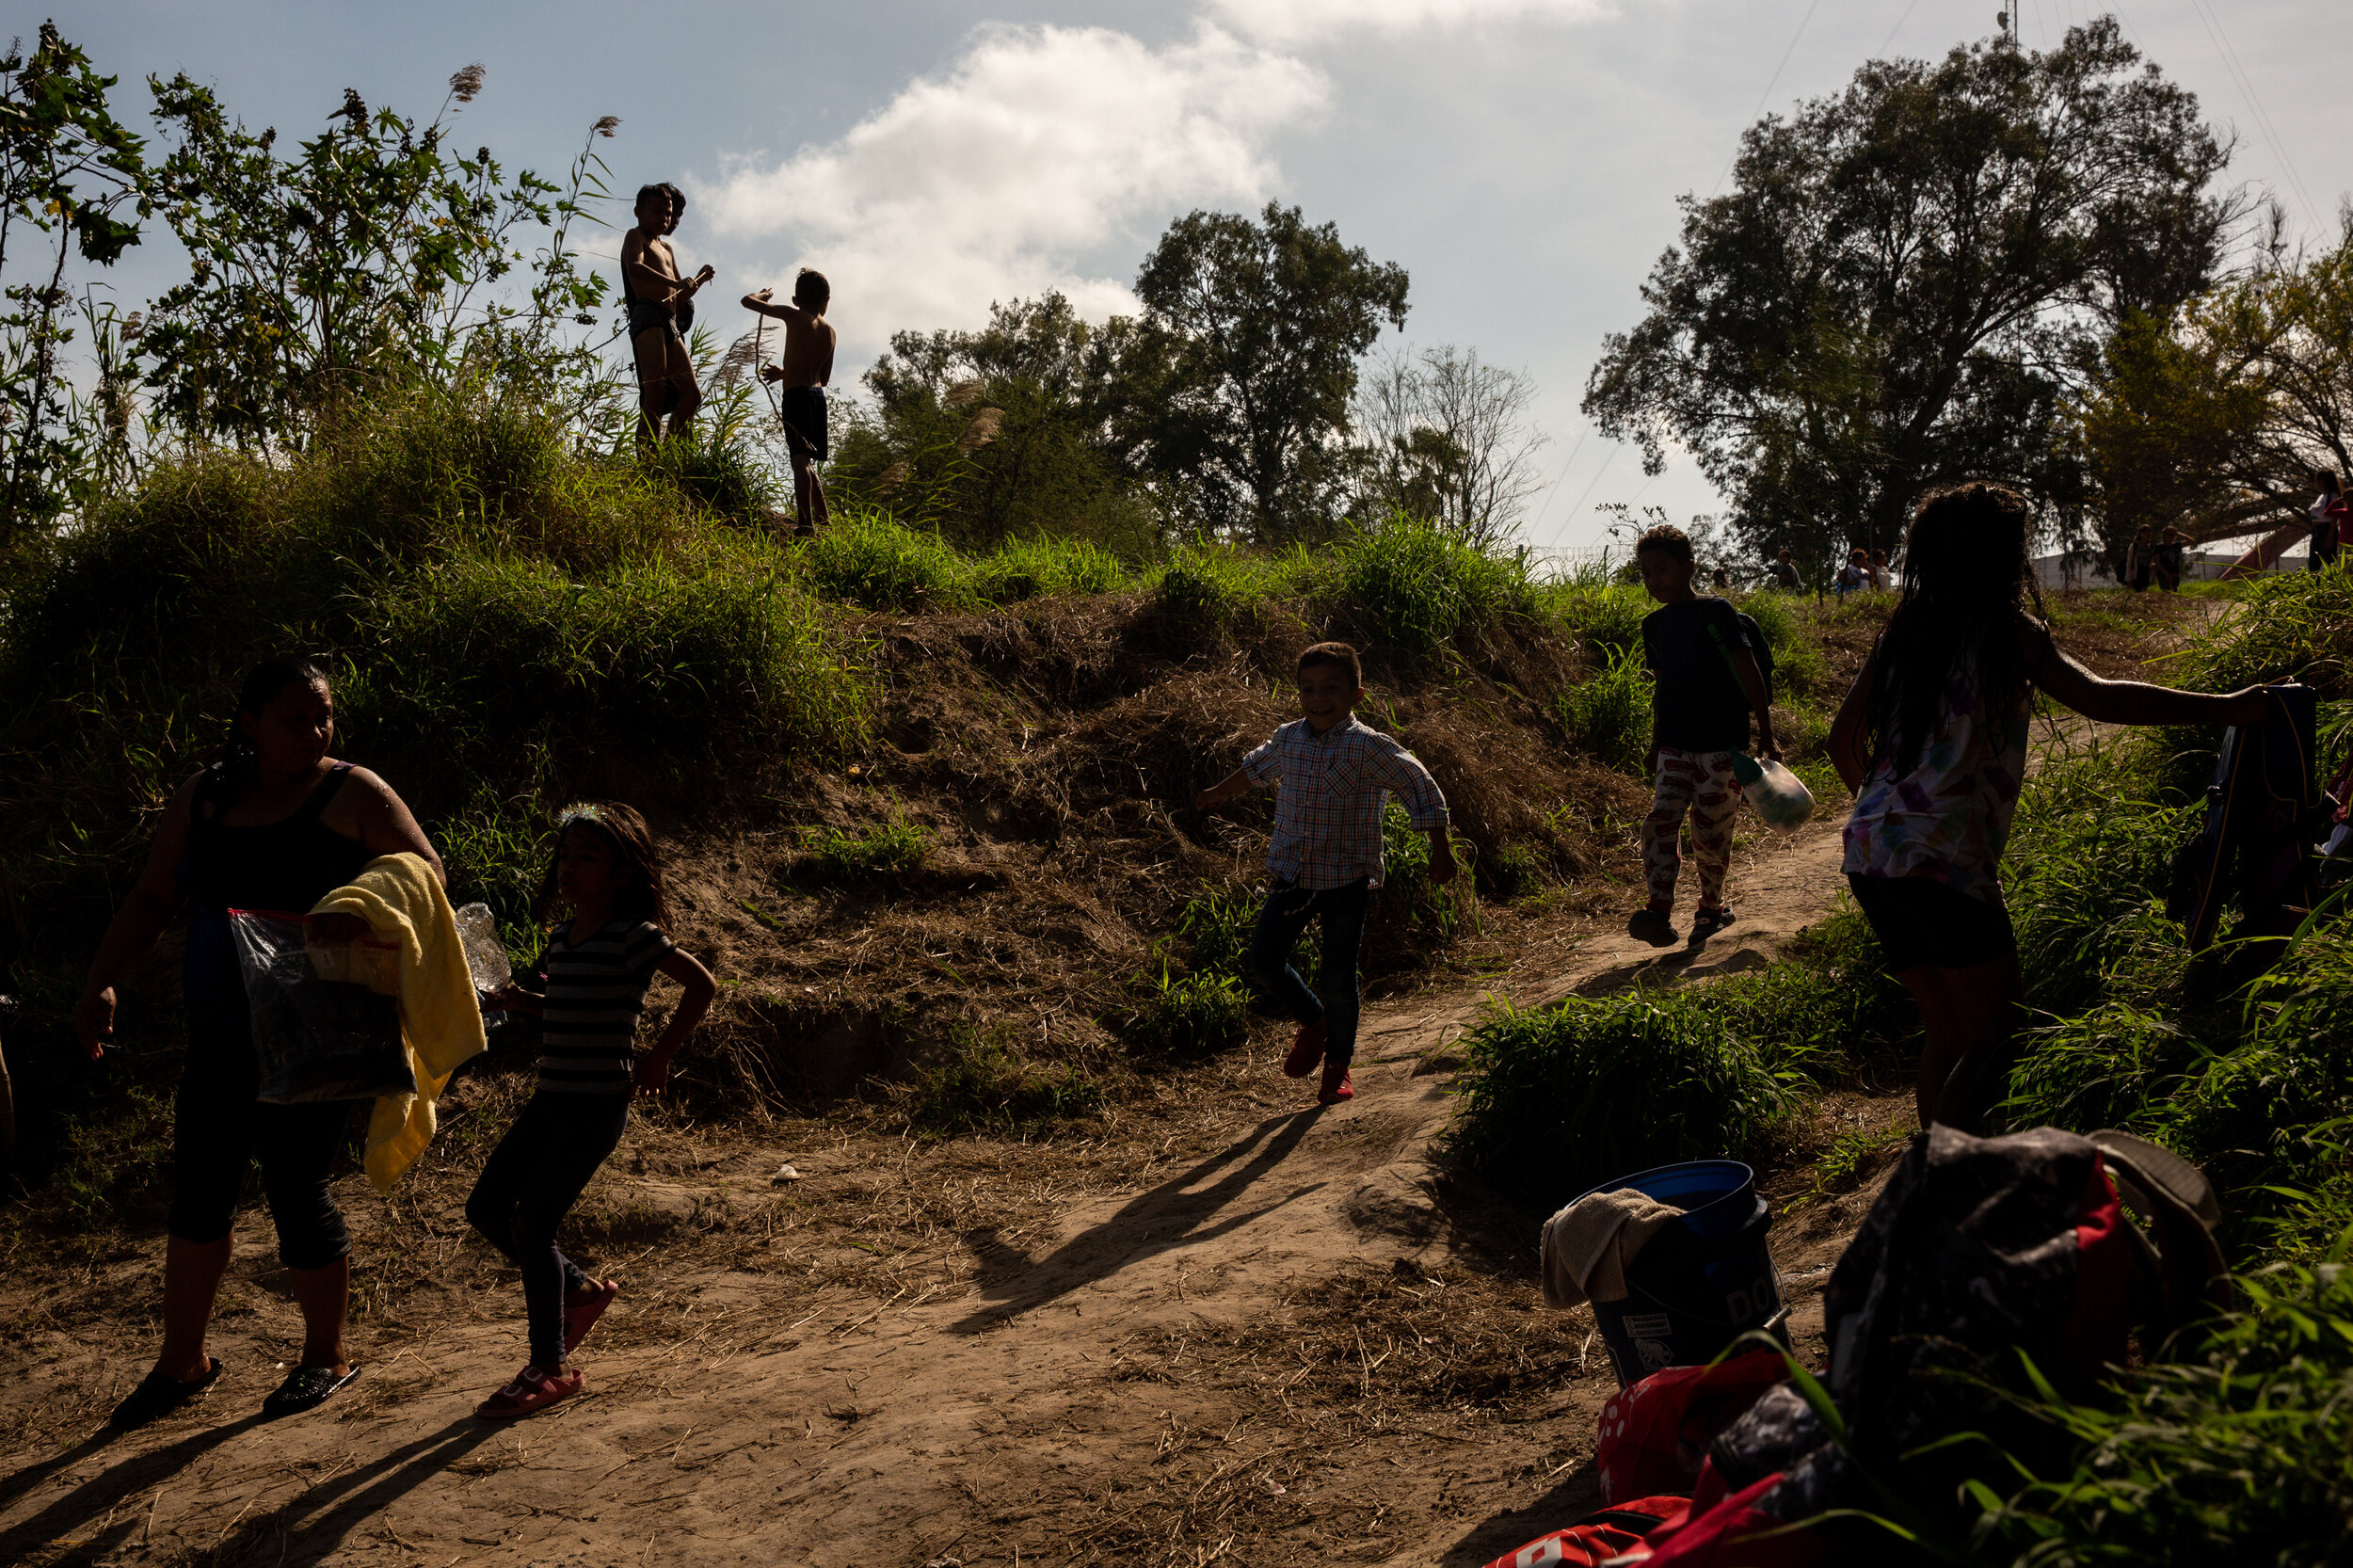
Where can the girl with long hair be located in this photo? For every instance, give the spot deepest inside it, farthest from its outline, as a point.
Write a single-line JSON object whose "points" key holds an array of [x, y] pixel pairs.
{"points": [[607, 872], [273, 822], [1932, 739]]}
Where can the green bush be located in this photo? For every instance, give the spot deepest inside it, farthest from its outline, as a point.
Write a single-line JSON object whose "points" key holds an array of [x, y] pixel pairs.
{"points": [[897, 846], [1605, 617], [1061, 568], [978, 1087], [1553, 1101], [1417, 590], [1210, 587], [1608, 714], [869, 559], [1191, 1015]]}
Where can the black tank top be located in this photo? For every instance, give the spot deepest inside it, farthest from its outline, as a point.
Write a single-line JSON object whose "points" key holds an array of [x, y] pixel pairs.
{"points": [[287, 865]]}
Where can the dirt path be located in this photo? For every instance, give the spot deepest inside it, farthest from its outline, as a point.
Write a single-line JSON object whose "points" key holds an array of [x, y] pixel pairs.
{"points": [[1273, 1346]]}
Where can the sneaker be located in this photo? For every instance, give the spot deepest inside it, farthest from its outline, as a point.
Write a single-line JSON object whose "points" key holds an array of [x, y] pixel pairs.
{"points": [[1306, 1050], [1337, 1085], [1709, 921], [581, 1315], [304, 1388], [532, 1389], [1652, 926]]}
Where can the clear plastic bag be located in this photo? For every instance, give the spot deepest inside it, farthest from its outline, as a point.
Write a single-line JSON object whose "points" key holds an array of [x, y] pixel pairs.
{"points": [[1780, 796], [485, 960], [316, 1039]]}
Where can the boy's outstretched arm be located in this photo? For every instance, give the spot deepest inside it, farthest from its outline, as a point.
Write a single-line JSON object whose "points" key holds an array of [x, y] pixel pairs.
{"points": [[1752, 685], [766, 306], [1235, 783], [1425, 809]]}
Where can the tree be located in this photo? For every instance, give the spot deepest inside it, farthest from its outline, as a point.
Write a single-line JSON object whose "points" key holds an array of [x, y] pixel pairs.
{"points": [[370, 255], [1910, 281], [1446, 437], [1234, 386], [2213, 421], [995, 434], [67, 172]]}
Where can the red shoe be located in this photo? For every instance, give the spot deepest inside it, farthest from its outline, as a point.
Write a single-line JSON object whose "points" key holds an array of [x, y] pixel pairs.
{"points": [[532, 1389], [1306, 1050], [1337, 1086], [581, 1315]]}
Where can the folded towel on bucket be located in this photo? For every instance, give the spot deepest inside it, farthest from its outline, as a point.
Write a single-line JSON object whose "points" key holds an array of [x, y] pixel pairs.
{"points": [[440, 1020], [1588, 1244]]}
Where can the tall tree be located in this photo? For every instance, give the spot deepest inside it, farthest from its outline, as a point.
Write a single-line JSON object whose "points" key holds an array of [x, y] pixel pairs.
{"points": [[2212, 422], [1446, 437], [68, 172], [1910, 280], [995, 433], [1235, 384]]}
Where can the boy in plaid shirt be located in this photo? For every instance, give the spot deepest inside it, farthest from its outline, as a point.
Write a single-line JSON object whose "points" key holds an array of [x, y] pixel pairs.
{"points": [[1334, 777]]}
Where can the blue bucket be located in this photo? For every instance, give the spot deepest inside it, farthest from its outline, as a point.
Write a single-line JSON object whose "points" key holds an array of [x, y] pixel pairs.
{"points": [[1701, 1282]]}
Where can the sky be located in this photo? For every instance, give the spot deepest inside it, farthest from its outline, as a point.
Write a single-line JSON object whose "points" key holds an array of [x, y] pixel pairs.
{"points": [[1520, 158]]}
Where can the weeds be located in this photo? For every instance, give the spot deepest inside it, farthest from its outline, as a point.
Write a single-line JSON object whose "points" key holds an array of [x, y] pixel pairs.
{"points": [[979, 1087], [1609, 715], [896, 845], [1191, 1015], [868, 559]]}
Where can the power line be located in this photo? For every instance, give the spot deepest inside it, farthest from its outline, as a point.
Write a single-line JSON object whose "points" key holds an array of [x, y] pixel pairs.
{"points": [[2270, 133], [1899, 24], [1773, 81], [1596, 480], [1555, 486]]}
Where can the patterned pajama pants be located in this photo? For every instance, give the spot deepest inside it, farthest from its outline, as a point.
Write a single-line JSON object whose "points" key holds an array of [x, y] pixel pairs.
{"points": [[1701, 783]]}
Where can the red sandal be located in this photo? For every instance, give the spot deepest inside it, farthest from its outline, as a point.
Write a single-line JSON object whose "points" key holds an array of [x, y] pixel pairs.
{"points": [[532, 1389], [581, 1315]]}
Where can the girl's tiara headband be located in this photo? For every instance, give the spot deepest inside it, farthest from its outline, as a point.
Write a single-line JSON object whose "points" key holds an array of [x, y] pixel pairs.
{"points": [[579, 811]]}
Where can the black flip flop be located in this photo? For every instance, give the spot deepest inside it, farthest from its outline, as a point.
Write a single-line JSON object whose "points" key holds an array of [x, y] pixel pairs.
{"points": [[304, 1388], [1709, 921], [158, 1395]]}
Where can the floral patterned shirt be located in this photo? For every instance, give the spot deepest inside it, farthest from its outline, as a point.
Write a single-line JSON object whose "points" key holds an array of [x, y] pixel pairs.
{"points": [[1948, 817]]}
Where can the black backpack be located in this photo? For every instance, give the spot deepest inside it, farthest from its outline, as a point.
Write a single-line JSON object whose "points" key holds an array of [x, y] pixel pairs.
{"points": [[2263, 811], [1758, 648]]}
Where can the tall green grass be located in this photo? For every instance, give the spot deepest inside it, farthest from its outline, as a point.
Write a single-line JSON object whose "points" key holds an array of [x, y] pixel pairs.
{"points": [[1555, 1100]]}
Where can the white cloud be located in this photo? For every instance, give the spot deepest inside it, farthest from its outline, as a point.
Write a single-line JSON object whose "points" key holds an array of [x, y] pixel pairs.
{"points": [[1288, 22], [993, 179]]}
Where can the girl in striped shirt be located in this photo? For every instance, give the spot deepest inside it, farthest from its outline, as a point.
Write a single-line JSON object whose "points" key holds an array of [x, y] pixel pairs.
{"points": [[597, 967]]}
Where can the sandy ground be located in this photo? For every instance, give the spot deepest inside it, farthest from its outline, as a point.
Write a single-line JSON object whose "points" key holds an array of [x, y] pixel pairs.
{"points": [[1261, 1346]]}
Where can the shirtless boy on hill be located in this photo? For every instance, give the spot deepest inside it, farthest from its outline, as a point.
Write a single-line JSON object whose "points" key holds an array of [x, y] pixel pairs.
{"points": [[652, 291], [804, 370]]}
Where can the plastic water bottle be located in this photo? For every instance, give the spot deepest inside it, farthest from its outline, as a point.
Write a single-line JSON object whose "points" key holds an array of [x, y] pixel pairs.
{"points": [[1780, 796]]}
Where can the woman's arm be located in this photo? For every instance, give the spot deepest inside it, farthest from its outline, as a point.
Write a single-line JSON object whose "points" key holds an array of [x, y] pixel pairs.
{"points": [[1850, 732], [384, 823], [653, 1073], [2131, 702], [147, 908]]}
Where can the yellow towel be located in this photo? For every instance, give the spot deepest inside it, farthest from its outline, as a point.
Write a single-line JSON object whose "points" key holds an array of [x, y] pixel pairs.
{"points": [[440, 1022]]}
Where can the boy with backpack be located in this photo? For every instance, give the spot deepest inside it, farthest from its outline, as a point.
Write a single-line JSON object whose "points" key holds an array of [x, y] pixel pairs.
{"points": [[1705, 662]]}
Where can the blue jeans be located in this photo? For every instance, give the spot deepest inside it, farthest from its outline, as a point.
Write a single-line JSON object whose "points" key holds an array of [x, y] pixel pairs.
{"points": [[1286, 913]]}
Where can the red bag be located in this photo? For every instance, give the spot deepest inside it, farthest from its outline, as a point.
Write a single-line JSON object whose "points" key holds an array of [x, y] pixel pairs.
{"points": [[1594, 1539], [1653, 1436], [1730, 1532]]}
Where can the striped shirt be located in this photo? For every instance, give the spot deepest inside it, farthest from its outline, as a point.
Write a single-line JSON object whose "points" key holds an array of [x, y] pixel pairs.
{"points": [[596, 989], [1332, 790]]}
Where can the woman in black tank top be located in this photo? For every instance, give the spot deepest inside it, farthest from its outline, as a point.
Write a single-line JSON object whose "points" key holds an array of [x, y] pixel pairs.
{"points": [[276, 825]]}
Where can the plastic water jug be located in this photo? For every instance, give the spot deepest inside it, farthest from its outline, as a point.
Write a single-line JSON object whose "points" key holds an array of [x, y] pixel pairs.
{"points": [[1779, 795]]}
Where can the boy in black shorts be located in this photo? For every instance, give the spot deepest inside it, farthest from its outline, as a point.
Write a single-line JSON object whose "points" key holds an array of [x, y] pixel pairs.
{"points": [[804, 372]]}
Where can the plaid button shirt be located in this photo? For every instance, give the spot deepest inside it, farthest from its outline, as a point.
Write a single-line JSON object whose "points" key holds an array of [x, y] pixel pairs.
{"points": [[1331, 789]]}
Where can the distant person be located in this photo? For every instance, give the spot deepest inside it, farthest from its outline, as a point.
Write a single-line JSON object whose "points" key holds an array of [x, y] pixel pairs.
{"points": [[607, 872], [1855, 575], [2167, 562], [2140, 560], [1883, 575], [1333, 778], [1932, 739], [2328, 513], [655, 296], [1705, 684], [1785, 573], [275, 822], [1722, 580], [804, 373]]}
